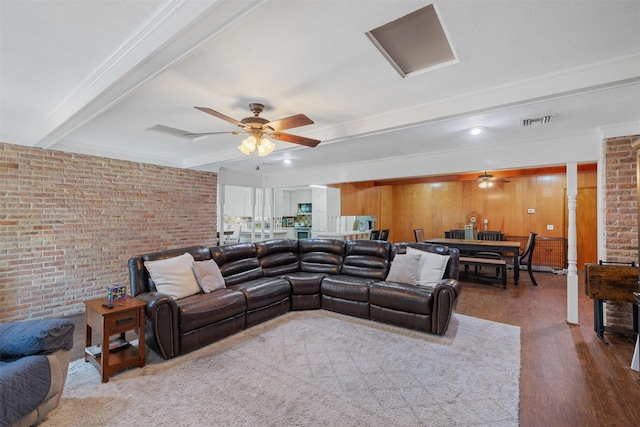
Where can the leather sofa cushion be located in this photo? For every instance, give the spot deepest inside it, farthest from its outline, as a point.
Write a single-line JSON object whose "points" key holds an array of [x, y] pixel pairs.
{"points": [[305, 283], [346, 287], [367, 258], [401, 297], [264, 291], [238, 263], [321, 255], [278, 256], [203, 309]]}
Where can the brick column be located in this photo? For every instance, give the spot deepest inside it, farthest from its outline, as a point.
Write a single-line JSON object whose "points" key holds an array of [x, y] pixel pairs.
{"points": [[620, 215]]}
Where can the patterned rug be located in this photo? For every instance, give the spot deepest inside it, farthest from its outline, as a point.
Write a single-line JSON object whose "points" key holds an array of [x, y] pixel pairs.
{"points": [[313, 368]]}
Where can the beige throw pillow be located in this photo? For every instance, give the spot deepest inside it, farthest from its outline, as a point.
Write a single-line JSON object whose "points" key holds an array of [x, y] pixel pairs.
{"points": [[174, 276], [430, 268], [208, 275], [404, 268]]}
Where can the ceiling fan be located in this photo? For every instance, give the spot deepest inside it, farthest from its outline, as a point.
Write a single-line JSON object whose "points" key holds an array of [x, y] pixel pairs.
{"points": [[258, 128], [486, 180]]}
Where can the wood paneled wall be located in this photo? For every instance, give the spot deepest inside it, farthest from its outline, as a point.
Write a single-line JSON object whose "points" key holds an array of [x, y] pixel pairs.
{"points": [[439, 206]]}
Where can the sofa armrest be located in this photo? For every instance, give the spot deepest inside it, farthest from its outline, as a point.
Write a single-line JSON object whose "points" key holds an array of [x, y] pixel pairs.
{"points": [[162, 332], [33, 337], [445, 298]]}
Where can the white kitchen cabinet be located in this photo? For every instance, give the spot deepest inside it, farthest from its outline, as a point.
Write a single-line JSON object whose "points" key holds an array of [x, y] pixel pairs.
{"points": [[303, 196], [319, 210], [319, 199], [333, 202], [293, 203], [290, 202]]}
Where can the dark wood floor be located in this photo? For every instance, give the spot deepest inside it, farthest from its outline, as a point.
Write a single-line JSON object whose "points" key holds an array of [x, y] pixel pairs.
{"points": [[569, 377]]}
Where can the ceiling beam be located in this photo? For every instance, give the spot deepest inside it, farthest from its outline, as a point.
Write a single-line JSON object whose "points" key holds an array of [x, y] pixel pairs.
{"points": [[505, 173]]}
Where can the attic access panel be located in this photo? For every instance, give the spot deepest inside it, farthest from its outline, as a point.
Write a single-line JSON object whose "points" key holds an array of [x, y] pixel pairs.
{"points": [[414, 42]]}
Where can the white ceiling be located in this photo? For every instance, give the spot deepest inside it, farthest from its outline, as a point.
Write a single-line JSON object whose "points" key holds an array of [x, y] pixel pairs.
{"points": [[92, 77]]}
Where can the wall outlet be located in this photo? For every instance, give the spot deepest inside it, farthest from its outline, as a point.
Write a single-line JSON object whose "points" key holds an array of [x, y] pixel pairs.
{"points": [[549, 226], [531, 211]]}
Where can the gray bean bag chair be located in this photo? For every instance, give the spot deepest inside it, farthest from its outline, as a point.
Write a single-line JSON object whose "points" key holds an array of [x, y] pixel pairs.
{"points": [[34, 358]]}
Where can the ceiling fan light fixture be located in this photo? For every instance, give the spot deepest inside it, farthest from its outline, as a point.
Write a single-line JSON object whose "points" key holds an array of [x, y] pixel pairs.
{"points": [[485, 184], [244, 149], [265, 147], [248, 145]]}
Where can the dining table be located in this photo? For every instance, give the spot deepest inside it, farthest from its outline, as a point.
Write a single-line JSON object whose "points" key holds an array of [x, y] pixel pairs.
{"points": [[503, 247]]}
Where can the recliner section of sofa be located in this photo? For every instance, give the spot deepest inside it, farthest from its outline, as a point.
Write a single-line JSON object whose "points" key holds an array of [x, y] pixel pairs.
{"points": [[266, 279], [417, 307], [266, 296], [365, 261], [319, 258]]}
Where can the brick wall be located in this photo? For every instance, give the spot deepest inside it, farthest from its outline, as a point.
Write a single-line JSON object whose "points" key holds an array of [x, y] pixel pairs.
{"points": [[69, 223], [620, 216]]}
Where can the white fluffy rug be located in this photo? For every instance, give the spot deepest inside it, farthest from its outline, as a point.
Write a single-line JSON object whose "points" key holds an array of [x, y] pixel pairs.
{"points": [[313, 368]]}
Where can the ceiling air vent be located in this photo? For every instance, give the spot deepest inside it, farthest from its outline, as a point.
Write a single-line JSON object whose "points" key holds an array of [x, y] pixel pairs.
{"points": [[537, 121], [415, 42]]}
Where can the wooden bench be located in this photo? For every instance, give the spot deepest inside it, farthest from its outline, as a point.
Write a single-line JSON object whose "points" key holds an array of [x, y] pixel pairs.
{"points": [[499, 264]]}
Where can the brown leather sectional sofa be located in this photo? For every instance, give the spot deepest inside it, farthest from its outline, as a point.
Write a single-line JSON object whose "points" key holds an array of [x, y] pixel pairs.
{"points": [[266, 279]]}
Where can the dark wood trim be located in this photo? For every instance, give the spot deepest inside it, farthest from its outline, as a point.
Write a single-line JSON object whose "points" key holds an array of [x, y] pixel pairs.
{"points": [[472, 176]]}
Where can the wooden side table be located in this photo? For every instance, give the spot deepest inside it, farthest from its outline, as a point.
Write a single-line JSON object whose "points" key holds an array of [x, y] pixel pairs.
{"points": [[126, 315]]}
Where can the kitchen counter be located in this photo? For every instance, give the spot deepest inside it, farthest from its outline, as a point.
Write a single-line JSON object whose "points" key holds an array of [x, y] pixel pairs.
{"points": [[285, 233], [347, 235]]}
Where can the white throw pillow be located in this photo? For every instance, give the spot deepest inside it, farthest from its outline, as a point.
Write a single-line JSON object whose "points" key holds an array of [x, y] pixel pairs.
{"points": [[208, 275], [430, 268], [174, 276], [404, 268]]}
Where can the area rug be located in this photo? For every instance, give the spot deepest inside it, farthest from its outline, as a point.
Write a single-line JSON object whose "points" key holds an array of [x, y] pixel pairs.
{"points": [[313, 368]]}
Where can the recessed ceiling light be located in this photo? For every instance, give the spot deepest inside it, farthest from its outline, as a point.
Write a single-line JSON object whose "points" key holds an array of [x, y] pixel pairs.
{"points": [[475, 131], [287, 161]]}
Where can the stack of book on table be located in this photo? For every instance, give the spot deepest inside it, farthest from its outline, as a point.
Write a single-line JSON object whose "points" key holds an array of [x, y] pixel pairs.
{"points": [[114, 344]]}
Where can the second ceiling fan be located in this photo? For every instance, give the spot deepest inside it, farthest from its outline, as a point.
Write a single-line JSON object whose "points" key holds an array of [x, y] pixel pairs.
{"points": [[258, 129], [486, 180]]}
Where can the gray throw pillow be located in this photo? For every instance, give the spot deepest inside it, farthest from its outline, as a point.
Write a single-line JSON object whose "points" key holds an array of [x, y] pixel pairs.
{"points": [[404, 268], [208, 275]]}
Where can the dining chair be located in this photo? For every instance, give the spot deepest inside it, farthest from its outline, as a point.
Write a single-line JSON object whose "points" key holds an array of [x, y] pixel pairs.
{"points": [[375, 235], [456, 234], [419, 235], [527, 256], [490, 235], [384, 234], [493, 236]]}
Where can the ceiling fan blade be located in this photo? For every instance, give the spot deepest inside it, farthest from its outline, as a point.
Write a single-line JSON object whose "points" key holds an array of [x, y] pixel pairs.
{"points": [[235, 132], [290, 122], [174, 132], [296, 139], [220, 116]]}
